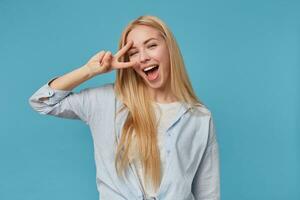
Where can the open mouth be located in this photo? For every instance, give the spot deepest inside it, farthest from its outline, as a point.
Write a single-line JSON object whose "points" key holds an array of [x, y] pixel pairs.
{"points": [[151, 72]]}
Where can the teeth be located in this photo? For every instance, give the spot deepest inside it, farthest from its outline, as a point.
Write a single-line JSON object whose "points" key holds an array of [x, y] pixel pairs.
{"points": [[148, 68]]}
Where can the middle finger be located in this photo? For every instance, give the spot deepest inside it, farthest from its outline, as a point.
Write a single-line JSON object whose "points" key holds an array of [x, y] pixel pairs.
{"points": [[124, 49], [106, 58]]}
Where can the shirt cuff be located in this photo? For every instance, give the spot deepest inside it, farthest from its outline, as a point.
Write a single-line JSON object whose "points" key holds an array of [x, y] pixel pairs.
{"points": [[51, 96]]}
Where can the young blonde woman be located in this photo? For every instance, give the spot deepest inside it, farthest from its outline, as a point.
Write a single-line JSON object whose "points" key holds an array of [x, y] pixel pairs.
{"points": [[153, 139]]}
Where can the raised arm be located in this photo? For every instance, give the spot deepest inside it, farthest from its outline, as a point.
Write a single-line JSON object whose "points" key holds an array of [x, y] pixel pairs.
{"points": [[56, 96], [100, 63]]}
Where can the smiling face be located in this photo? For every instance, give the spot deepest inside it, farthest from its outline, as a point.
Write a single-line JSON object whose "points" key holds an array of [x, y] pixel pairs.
{"points": [[150, 51]]}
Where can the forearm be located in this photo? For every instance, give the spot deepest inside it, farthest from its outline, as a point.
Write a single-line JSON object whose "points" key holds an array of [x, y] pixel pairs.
{"points": [[72, 79]]}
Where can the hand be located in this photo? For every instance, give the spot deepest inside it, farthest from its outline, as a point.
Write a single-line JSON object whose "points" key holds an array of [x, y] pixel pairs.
{"points": [[104, 62]]}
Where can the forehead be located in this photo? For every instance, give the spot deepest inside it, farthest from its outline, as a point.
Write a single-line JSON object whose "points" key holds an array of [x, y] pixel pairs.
{"points": [[141, 33]]}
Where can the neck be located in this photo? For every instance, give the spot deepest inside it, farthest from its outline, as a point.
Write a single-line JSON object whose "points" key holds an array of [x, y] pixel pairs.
{"points": [[162, 95]]}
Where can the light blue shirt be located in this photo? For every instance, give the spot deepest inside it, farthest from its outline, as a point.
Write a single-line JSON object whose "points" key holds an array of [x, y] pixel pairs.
{"points": [[192, 159]]}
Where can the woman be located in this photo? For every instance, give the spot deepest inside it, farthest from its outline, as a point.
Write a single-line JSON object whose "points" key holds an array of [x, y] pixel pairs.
{"points": [[153, 139]]}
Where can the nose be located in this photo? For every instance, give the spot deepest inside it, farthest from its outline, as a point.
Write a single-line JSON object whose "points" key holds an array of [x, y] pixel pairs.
{"points": [[144, 57]]}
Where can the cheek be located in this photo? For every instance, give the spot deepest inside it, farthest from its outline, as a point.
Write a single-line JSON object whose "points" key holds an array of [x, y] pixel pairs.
{"points": [[165, 61], [166, 70], [137, 70], [162, 55], [133, 58], [166, 64]]}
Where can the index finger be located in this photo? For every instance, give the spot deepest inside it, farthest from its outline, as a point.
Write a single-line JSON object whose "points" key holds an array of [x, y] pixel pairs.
{"points": [[121, 65], [124, 49]]}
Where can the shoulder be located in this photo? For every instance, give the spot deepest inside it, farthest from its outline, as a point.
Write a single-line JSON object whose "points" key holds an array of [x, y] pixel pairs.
{"points": [[98, 100], [97, 97], [106, 89], [201, 110], [204, 114]]}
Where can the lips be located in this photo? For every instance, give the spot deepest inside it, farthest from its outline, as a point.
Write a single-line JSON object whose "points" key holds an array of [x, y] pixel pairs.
{"points": [[150, 69], [152, 72]]}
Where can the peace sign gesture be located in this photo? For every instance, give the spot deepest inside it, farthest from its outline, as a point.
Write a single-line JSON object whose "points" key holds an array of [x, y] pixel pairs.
{"points": [[104, 62]]}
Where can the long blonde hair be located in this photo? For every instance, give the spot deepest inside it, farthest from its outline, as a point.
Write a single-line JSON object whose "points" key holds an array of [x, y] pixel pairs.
{"points": [[131, 90]]}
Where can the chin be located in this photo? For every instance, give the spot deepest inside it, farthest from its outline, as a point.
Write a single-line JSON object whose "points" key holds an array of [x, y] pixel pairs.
{"points": [[157, 85]]}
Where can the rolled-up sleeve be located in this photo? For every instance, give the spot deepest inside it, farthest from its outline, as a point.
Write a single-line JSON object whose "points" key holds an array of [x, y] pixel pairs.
{"points": [[61, 103], [206, 183]]}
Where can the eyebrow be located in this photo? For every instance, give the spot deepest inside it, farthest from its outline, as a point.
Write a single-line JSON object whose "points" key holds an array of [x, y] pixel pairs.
{"points": [[145, 42]]}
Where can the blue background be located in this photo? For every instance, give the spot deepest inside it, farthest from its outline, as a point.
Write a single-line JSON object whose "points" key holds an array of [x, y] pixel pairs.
{"points": [[243, 58]]}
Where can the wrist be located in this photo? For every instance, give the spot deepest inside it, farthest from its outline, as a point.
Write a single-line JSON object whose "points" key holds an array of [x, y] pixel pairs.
{"points": [[88, 72]]}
